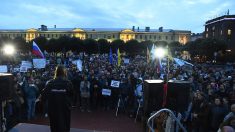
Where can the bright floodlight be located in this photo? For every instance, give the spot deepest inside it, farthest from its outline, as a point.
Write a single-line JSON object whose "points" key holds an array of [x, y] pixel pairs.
{"points": [[9, 49], [160, 52]]}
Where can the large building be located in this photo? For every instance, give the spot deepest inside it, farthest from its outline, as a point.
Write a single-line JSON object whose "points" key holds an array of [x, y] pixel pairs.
{"points": [[222, 28], [155, 35]]}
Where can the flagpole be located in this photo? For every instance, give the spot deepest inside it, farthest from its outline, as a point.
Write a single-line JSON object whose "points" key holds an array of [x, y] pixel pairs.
{"points": [[168, 64]]}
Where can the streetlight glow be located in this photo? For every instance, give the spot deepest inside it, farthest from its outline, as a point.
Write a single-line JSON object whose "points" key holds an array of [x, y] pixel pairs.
{"points": [[9, 50], [160, 52]]}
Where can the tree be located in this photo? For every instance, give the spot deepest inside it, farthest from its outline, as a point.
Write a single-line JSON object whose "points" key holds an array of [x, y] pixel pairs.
{"points": [[118, 43], [75, 44], [91, 46], [51, 46], [41, 42], [21, 45], [103, 46], [131, 47]]}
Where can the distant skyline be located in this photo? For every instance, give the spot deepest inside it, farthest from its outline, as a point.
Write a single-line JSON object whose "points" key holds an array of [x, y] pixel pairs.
{"points": [[170, 14]]}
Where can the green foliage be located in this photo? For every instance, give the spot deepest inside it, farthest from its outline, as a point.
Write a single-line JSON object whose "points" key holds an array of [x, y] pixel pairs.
{"points": [[103, 46], [91, 46], [205, 47]]}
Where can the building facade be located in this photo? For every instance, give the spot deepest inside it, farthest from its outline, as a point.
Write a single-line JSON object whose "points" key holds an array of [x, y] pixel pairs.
{"points": [[222, 28], [110, 34]]}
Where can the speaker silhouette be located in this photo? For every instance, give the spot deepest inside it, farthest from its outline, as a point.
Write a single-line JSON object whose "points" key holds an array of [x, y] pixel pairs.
{"points": [[6, 86], [178, 95], [153, 96]]}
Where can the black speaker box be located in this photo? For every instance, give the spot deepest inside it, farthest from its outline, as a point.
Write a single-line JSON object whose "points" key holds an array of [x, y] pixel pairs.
{"points": [[153, 96], [178, 95], [6, 86]]}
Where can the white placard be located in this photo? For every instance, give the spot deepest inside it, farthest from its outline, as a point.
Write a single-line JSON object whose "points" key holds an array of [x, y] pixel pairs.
{"points": [[3, 68], [16, 69], [23, 69], [115, 83], [74, 62], [126, 61], [26, 64], [39, 63], [106, 92], [79, 65]]}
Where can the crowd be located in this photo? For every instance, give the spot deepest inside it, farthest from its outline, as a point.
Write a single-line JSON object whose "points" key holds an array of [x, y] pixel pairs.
{"points": [[212, 104]]}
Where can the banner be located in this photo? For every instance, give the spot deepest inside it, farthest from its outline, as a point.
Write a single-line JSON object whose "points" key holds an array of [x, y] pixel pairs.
{"points": [[23, 69], [126, 60], [3, 69], [115, 83], [79, 65], [39, 63], [106, 92], [182, 62], [16, 69], [74, 62], [27, 64]]}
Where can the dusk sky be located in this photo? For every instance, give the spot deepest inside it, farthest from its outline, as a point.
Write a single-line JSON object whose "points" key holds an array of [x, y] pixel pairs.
{"points": [[171, 14]]}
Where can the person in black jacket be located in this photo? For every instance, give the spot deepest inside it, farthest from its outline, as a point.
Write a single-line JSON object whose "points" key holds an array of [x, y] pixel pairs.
{"points": [[59, 93]]}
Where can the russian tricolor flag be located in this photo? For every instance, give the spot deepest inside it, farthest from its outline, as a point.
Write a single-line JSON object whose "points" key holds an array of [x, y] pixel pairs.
{"points": [[36, 50]]}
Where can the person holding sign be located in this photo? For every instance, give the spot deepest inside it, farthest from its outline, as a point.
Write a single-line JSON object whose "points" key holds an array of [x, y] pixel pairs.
{"points": [[59, 93], [85, 94], [106, 92]]}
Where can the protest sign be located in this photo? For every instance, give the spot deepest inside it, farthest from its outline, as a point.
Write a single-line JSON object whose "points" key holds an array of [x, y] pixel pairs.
{"points": [[39, 63], [115, 83], [23, 69], [79, 65], [126, 60], [27, 64], [3, 68], [106, 92], [16, 69]]}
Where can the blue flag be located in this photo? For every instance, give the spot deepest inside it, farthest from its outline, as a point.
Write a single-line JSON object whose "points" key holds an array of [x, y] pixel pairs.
{"points": [[110, 56]]}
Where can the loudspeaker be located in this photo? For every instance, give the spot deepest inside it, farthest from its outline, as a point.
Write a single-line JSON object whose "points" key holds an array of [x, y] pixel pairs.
{"points": [[153, 96], [178, 95], [6, 86]]}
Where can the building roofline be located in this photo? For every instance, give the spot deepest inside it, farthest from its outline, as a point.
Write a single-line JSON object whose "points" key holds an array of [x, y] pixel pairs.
{"points": [[222, 18]]}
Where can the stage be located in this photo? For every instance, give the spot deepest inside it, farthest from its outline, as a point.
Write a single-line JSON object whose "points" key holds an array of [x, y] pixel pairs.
{"points": [[26, 127]]}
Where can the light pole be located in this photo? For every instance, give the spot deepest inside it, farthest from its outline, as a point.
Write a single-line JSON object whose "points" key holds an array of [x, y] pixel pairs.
{"points": [[8, 51], [161, 53]]}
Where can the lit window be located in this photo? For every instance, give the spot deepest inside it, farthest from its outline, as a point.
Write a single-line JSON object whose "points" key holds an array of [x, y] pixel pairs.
{"points": [[229, 32], [207, 29], [221, 32], [207, 35]]}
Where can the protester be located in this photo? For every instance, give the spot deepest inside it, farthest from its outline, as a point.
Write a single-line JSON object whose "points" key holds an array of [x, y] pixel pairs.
{"points": [[59, 93], [97, 73], [31, 92], [85, 94]]}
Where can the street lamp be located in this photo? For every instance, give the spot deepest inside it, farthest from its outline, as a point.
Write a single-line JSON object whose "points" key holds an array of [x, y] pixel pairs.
{"points": [[8, 50], [160, 53]]}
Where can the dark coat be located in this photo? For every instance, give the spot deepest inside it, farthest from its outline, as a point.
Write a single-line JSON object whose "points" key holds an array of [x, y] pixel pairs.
{"points": [[59, 93], [217, 115]]}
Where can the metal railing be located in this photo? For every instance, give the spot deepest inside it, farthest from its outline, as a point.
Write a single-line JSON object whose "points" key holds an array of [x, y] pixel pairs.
{"points": [[155, 115]]}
